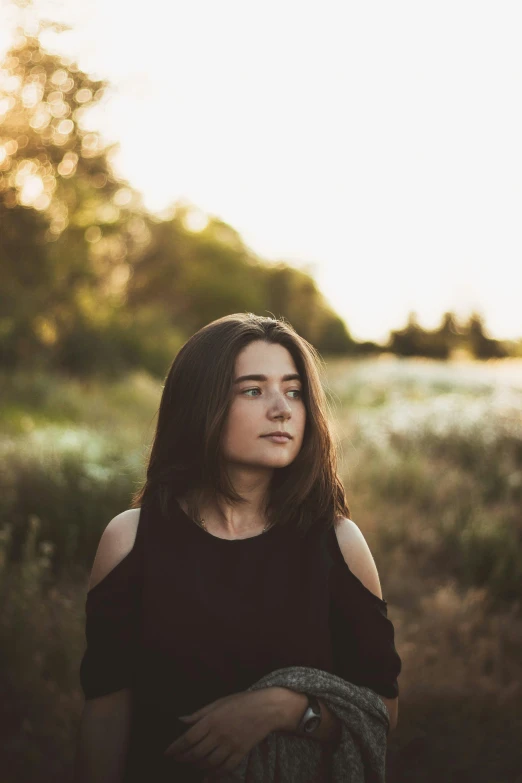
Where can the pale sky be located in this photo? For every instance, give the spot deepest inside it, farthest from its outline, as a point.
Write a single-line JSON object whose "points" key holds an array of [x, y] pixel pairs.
{"points": [[380, 143]]}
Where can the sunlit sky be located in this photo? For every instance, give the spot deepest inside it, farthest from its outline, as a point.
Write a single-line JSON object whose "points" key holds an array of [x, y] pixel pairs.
{"points": [[379, 143]]}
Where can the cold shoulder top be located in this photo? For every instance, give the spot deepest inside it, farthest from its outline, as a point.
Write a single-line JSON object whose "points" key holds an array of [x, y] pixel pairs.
{"points": [[187, 617]]}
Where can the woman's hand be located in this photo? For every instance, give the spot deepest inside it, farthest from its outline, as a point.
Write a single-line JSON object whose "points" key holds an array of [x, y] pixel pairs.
{"points": [[226, 730]]}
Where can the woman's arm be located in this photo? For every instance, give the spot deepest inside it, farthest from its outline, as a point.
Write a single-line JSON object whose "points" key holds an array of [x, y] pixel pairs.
{"points": [[103, 738], [103, 735], [359, 559]]}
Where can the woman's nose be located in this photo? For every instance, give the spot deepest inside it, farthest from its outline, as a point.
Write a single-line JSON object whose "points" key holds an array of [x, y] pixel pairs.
{"points": [[281, 405]]}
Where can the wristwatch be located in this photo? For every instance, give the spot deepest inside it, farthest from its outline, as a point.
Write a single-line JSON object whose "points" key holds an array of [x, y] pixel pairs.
{"points": [[311, 719]]}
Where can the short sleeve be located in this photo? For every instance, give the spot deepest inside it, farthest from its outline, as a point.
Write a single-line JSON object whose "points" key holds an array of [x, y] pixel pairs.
{"points": [[362, 636], [112, 621]]}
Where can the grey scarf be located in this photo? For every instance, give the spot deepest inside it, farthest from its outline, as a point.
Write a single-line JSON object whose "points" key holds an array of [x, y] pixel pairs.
{"points": [[358, 757]]}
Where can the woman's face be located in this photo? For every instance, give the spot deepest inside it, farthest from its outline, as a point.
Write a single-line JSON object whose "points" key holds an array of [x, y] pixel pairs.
{"points": [[263, 405]]}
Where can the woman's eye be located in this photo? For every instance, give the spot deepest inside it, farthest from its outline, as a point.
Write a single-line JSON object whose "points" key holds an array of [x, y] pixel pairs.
{"points": [[292, 391]]}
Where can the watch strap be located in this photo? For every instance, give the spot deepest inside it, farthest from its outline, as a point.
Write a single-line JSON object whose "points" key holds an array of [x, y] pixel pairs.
{"points": [[311, 718]]}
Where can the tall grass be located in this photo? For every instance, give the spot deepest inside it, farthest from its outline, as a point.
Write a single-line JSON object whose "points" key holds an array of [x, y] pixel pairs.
{"points": [[438, 466]]}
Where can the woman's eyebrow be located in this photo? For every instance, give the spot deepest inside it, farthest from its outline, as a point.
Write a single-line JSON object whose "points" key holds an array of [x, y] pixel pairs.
{"points": [[290, 377]]}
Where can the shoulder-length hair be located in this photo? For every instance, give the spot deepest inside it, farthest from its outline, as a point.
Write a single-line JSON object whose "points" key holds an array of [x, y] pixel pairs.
{"points": [[185, 456]]}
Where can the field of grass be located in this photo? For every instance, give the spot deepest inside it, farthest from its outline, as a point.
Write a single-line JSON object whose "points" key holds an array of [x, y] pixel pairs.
{"points": [[432, 465]]}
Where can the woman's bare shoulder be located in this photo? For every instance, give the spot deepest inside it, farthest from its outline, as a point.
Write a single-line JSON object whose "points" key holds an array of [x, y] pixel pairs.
{"points": [[116, 542], [357, 554]]}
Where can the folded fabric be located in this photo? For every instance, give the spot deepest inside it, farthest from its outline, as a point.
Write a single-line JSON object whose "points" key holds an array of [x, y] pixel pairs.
{"points": [[358, 757]]}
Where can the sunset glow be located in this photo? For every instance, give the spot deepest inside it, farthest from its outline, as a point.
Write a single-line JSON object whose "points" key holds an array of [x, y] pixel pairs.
{"points": [[376, 144]]}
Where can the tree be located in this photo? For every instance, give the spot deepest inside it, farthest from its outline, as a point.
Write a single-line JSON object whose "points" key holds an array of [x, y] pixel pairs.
{"points": [[68, 224], [482, 346]]}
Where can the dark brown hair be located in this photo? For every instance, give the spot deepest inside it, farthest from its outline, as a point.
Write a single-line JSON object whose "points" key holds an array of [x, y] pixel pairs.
{"points": [[185, 455]]}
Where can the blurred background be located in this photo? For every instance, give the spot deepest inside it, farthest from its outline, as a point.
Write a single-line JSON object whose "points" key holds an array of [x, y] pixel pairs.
{"points": [[354, 168]]}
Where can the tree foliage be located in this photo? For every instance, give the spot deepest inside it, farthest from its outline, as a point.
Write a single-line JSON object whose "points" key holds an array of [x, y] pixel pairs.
{"points": [[441, 342], [67, 222]]}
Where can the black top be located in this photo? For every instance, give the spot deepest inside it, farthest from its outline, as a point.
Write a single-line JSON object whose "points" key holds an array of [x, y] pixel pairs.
{"points": [[187, 617]]}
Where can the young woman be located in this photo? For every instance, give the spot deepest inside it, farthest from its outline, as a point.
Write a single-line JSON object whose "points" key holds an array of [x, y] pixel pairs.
{"points": [[237, 558]]}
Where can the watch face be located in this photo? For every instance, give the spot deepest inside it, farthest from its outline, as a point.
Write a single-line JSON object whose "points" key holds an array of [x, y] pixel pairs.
{"points": [[312, 724]]}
